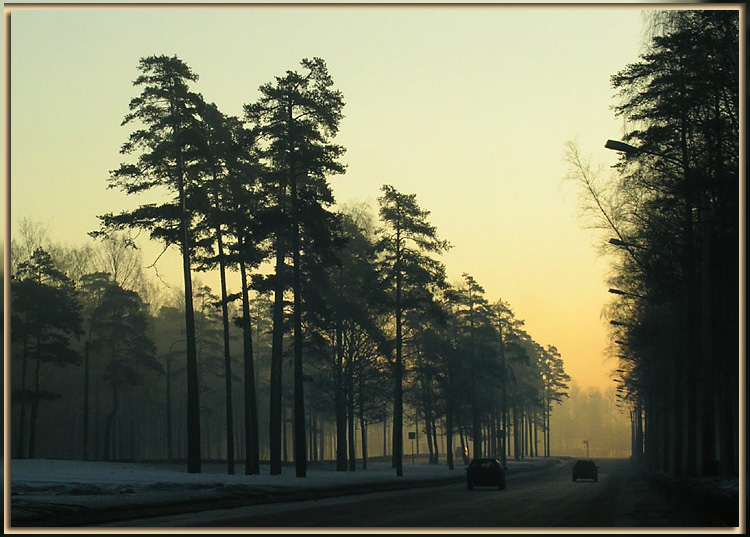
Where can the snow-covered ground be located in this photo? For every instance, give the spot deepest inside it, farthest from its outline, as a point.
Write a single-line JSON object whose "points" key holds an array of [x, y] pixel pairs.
{"points": [[46, 487], [68, 476]]}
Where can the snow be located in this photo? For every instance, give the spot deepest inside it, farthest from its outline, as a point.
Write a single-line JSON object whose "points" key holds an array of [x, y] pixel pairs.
{"points": [[38, 475], [49, 487]]}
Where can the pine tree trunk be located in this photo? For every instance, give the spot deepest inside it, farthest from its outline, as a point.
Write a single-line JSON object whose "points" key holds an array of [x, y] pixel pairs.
{"points": [[22, 411], [678, 396], [464, 449], [516, 435], [86, 351], [363, 435], [385, 436], [350, 411], [252, 454], [284, 425], [435, 442], [300, 452], [227, 355], [109, 426], [340, 401], [275, 414], [362, 425], [193, 388], [449, 425], [428, 432], [351, 436], [398, 398], [170, 453], [35, 402]]}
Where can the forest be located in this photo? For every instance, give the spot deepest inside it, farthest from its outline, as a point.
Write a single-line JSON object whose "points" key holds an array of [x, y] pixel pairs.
{"points": [[344, 326], [671, 213]]}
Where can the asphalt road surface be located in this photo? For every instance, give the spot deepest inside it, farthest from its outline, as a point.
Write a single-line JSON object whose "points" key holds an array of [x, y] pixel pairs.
{"points": [[540, 499]]}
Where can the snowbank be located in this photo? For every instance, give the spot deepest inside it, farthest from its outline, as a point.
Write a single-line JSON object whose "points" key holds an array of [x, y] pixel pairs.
{"points": [[50, 492]]}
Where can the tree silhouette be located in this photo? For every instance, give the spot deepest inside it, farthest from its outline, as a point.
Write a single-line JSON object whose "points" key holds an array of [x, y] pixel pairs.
{"points": [[343, 320], [225, 163], [555, 387], [120, 325], [167, 130], [92, 286], [673, 207], [405, 239], [45, 314], [297, 116]]}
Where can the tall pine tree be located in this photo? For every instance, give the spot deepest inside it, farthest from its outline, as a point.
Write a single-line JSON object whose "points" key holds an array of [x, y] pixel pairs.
{"points": [[405, 239], [166, 132], [297, 116]]}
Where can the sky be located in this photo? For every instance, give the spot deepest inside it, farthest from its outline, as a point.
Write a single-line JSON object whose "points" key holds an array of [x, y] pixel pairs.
{"points": [[469, 108]]}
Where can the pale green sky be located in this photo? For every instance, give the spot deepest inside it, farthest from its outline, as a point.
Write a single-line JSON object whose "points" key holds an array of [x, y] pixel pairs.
{"points": [[468, 108]]}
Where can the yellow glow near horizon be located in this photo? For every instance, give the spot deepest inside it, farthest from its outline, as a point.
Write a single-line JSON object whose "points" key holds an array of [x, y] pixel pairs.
{"points": [[470, 109]]}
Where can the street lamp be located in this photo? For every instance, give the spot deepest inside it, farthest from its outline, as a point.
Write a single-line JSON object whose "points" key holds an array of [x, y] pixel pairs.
{"points": [[625, 293], [630, 247], [628, 149], [616, 145], [618, 242]]}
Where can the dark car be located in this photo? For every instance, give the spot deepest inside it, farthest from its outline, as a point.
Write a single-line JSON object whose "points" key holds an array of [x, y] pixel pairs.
{"points": [[585, 469], [488, 472]]}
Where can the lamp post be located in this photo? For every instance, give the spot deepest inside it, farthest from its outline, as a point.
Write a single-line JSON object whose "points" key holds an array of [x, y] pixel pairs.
{"points": [[625, 293], [628, 149], [631, 249], [618, 242], [616, 145]]}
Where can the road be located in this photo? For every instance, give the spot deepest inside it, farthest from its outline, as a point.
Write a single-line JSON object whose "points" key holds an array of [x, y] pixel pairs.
{"points": [[540, 499]]}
